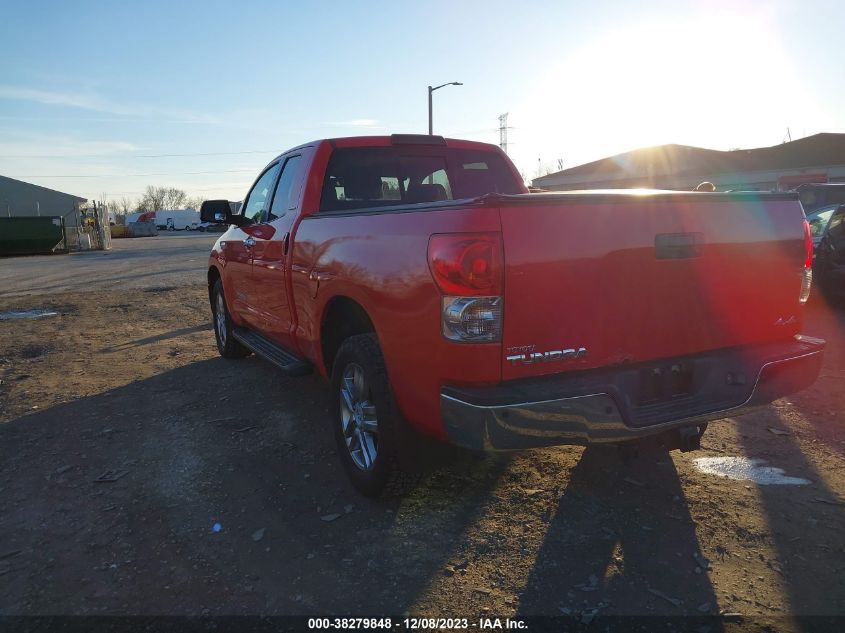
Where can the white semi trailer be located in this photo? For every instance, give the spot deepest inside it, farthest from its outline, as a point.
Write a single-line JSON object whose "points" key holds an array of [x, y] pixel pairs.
{"points": [[177, 220]]}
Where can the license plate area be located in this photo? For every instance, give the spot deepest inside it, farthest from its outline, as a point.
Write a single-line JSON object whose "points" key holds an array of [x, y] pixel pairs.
{"points": [[664, 383]]}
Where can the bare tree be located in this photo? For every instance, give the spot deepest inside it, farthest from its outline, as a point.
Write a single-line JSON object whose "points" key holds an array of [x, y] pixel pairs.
{"points": [[174, 198], [194, 202], [152, 200], [161, 198], [125, 205], [114, 211], [120, 209]]}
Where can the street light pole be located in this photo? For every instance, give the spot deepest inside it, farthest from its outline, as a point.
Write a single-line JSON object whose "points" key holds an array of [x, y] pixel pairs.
{"points": [[430, 90], [430, 121]]}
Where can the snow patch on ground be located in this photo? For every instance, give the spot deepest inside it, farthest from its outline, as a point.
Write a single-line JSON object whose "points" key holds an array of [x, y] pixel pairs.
{"points": [[746, 469], [26, 314]]}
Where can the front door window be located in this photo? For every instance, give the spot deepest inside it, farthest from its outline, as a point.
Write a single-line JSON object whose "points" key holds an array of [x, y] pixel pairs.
{"points": [[258, 199]]}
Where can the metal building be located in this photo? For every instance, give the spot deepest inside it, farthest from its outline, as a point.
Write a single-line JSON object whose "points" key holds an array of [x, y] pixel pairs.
{"points": [[818, 158], [23, 199]]}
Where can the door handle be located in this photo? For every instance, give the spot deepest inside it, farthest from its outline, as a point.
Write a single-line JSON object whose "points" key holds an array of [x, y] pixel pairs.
{"points": [[249, 242], [319, 277]]}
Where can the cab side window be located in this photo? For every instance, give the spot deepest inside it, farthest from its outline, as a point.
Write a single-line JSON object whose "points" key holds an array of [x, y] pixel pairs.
{"points": [[259, 197], [287, 190]]}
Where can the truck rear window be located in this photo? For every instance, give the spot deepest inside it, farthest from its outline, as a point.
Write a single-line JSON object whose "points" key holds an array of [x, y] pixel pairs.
{"points": [[367, 177]]}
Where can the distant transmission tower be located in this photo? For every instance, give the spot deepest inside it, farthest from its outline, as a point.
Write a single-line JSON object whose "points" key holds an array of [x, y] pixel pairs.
{"points": [[503, 132]]}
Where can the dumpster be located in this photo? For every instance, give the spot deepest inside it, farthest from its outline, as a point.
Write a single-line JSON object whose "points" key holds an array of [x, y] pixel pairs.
{"points": [[31, 235]]}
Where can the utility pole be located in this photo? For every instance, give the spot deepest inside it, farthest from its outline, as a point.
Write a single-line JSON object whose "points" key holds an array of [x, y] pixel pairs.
{"points": [[503, 132]]}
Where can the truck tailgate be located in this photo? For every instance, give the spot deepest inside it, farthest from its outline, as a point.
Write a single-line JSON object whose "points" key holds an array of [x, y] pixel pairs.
{"points": [[632, 278]]}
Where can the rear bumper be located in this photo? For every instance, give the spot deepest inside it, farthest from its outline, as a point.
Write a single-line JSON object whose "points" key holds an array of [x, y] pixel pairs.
{"points": [[603, 405]]}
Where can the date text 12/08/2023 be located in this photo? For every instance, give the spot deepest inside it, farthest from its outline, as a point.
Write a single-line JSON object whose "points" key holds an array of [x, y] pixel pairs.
{"points": [[415, 624]]}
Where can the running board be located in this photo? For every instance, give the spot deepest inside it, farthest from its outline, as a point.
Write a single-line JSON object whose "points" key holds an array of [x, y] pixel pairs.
{"points": [[281, 358]]}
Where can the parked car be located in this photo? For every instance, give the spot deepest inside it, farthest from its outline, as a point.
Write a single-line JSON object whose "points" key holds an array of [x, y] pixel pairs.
{"points": [[828, 226], [817, 195], [441, 299], [818, 220], [210, 227]]}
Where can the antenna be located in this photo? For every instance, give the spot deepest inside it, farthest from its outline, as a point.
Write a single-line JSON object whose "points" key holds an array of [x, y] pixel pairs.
{"points": [[503, 132]]}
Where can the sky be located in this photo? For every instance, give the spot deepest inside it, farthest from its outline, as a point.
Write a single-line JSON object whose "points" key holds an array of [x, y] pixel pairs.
{"points": [[101, 99]]}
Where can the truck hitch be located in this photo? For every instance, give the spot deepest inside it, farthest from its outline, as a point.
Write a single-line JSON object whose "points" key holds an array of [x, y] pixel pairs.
{"points": [[689, 438]]}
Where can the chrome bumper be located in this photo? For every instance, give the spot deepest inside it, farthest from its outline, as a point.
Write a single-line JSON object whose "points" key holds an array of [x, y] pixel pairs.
{"points": [[601, 405]]}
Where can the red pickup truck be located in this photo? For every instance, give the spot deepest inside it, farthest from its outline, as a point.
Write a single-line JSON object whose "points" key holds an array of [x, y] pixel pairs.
{"points": [[441, 298]]}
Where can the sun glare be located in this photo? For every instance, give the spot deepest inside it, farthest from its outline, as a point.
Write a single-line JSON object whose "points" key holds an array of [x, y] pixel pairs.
{"points": [[708, 82]]}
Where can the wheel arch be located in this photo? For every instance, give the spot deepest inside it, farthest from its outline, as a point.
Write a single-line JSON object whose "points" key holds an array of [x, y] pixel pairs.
{"points": [[342, 317], [213, 276]]}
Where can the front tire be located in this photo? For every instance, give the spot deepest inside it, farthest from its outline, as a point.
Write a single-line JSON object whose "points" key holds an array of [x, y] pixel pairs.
{"points": [[223, 327], [366, 421]]}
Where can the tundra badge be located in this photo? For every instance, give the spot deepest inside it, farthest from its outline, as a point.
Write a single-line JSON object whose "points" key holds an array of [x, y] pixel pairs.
{"points": [[546, 357]]}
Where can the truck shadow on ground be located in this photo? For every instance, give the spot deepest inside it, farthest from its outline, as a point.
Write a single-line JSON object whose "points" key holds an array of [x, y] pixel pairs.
{"points": [[807, 522], [113, 500], [149, 340], [211, 488], [621, 542], [805, 525]]}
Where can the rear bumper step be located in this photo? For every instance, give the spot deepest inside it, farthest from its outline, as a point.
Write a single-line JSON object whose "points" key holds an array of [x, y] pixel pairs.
{"points": [[604, 405], [267, 349]]}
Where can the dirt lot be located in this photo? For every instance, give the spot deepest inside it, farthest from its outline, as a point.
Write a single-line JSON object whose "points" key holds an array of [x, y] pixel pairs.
{"points": [[127, 383], [173, 259]]}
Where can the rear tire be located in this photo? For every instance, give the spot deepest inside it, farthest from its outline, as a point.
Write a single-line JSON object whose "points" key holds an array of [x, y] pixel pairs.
{"points": [[366, 422], [223, 327]]}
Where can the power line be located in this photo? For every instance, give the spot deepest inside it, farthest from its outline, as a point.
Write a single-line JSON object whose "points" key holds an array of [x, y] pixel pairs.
{"points": [[138, 193], [173, 173], [252, 151]]}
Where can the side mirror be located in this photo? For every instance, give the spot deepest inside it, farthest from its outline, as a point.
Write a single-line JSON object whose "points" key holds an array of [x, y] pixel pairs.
{"points": [[217, 212]]}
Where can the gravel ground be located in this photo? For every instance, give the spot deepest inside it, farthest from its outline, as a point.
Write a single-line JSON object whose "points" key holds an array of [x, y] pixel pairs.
{"points": [[124, 439]]}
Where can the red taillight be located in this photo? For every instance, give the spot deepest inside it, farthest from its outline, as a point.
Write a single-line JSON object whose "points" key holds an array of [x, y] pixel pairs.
{"points": [[466, 264], [808, 245], [807, 276]]}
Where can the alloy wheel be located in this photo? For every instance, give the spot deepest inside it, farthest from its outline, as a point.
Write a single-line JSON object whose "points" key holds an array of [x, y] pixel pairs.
{"points": [[358, 419], [220, 318]]}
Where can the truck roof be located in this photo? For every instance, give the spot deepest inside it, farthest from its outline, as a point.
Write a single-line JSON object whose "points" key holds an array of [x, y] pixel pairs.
{"points": [[398, 139]]}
